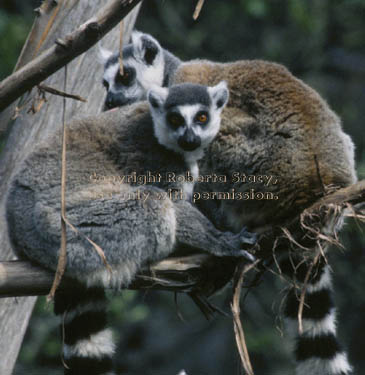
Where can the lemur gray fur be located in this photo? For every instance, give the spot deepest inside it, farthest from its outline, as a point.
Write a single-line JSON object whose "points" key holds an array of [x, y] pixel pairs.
{"points": [[134, 222], [145, 64], [275, 125]]}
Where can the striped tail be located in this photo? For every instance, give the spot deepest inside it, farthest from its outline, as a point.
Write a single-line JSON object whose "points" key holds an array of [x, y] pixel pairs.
{"points": [[87, 344], [317, 349]]}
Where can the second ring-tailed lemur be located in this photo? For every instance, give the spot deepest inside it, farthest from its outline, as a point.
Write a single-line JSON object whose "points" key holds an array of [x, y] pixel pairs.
{"points": [[145, 64], [117, 183], [275, 125]]}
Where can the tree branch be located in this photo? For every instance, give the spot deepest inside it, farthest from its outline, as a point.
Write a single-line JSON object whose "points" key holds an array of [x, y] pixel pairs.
{"points": [[305, 230], [64, 50], [22, 278], [189, 274]]}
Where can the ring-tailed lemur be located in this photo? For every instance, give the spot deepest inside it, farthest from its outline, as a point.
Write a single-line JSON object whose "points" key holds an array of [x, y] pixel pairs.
{"points": [[274, 125], [277, 126], [145, 64], [117, 195]]}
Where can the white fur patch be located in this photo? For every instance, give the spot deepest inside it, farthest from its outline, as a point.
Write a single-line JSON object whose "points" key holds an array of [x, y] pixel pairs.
{"points": [[316, 366], [109, 75], [120, 276], [312, 328], [103, 54], [350, 153], [189, 111], [96, 346], [165, 248], [218, 93], [194, 170], [189, 186], [206, 133], [325, 282], [149, 76]]}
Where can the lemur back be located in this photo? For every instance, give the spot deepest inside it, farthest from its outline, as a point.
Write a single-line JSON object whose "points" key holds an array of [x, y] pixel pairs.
{"points": [[277, 127], [116, 199]]}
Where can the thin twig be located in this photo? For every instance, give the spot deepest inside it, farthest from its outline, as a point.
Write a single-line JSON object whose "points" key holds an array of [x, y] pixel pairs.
{"points": [[237, 325], [198, 8], [63, 340], [178, 311], [98, 249], [319, 175], [291, 239], [304, 291], [62, 257], [121, 32], [53, 91], [48, 27]]}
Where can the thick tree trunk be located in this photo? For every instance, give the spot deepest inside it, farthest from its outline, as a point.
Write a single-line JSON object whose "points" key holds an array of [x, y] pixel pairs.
{"points": [[54, 20]]}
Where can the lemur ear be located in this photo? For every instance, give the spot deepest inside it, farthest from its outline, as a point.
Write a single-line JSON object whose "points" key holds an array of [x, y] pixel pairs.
{"points": [[156, 97], [145, 47], [103, 54], [219, 94]]}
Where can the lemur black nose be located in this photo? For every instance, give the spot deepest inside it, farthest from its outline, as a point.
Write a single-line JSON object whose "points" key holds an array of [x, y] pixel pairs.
{"points": [[109, 102], [189, 141], [116, 100]]}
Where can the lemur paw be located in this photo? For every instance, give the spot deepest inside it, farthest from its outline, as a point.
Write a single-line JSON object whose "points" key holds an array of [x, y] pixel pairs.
{"points": [[247, 237]]}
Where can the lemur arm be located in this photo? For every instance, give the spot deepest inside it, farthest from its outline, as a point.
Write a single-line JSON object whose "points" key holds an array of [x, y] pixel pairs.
{"points": [[195, 231]]}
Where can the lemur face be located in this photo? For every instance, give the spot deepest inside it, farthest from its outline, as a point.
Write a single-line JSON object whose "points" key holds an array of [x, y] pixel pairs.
{"points": [[186, 117], [143, 67]]}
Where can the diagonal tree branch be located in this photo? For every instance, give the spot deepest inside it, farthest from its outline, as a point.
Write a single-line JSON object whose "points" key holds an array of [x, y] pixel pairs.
{"points": [[63, 51]]}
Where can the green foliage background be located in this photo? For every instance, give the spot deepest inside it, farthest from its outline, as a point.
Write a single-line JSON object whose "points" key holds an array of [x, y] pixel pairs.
{"points": [[322, 42]]}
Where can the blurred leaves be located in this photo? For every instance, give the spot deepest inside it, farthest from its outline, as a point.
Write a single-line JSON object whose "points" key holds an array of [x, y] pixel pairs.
{"points": [[13, 31], [256, 8]]}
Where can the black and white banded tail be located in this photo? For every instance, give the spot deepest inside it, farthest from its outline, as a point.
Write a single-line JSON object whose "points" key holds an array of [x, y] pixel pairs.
{"points": [[317, 350], [88, 345]]}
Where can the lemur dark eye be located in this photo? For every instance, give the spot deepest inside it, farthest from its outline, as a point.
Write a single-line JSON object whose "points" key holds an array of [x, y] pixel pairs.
{"points": [[202, 117], [106, 84], [126, 78], [175, 120]]}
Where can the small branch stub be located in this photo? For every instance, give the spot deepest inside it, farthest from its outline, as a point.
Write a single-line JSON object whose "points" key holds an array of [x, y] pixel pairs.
{"points": [[198, 9], [121, 32]]}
